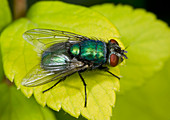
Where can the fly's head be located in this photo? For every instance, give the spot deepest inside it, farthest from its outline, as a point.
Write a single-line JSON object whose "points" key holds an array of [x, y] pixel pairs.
{"points": [[115, 54]]}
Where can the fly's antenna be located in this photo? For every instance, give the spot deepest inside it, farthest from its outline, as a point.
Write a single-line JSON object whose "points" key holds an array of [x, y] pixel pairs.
{"points": [[123, 54], [124, 51]]}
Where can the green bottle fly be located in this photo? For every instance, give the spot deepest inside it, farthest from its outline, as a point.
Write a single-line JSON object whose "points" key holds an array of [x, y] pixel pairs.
{"points": [[65, 53]]}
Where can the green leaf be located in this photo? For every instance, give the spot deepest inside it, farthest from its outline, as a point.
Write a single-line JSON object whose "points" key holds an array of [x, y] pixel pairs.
{"points": [[5, 19], [1, 67], [149, 102], [15, 106], [19, 57], [5, 14], [144, 75], [147, 39]]}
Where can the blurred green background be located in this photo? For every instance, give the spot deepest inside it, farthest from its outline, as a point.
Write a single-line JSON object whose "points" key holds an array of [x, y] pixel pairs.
{"points": [[160, 8]]}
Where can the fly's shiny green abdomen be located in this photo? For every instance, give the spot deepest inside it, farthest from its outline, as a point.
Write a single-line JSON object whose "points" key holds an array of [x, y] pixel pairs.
{"points": [[56, 57], [90, 50], [50, 58]]}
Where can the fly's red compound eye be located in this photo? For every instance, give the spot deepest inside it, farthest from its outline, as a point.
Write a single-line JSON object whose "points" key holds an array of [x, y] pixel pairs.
{"points": [[114, 60], [113, 41]]}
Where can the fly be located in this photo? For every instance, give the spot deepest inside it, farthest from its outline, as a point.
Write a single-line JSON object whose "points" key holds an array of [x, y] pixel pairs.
{"points": [[65, 53]]}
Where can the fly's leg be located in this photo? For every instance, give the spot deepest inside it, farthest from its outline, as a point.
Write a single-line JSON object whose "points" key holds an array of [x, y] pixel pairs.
{"points": [[113, 74], [54, 85], [84, 83], [107, 70]]}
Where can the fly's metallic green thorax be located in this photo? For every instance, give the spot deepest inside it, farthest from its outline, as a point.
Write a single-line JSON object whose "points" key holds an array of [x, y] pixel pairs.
{"points": [[90, 50], [75, 49]]}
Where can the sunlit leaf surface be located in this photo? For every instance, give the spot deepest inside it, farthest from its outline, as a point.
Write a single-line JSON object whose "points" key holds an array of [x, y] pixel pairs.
{"points": [[145, 81], [146, 38], [19, 57]]}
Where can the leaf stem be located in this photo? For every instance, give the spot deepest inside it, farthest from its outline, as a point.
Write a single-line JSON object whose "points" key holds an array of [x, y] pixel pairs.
{"points": [[19, 8], [7, 81]]}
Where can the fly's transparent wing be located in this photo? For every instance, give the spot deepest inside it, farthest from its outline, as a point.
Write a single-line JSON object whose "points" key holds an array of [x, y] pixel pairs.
{"points": [[38, 76], [43, 38], [56, 62]]}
